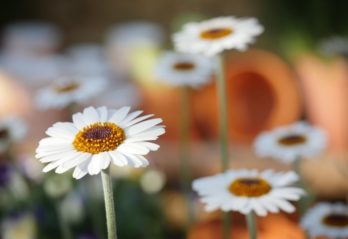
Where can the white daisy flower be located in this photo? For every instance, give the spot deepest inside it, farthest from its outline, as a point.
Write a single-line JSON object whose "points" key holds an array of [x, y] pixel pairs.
{"points": [[216, 35], [326, 219], [97, 137], [291, 142], [179, 69], [249, 190], [12, 129], [68, 90]]}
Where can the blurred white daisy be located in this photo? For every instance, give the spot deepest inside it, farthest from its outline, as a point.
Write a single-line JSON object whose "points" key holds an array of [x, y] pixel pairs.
{"points": [[68, 90], [97, 137], [249, 190], [326, 219], [289, 143], [12, 129], [180, 69], [213, 36], [335, 45]]}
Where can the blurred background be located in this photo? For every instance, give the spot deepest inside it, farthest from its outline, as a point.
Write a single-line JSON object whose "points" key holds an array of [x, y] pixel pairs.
{"points": [[296, 70]]}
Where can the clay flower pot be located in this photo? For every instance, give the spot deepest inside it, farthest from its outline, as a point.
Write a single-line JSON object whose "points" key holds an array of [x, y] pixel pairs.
{"points": [[325, 85], [262, 93]]}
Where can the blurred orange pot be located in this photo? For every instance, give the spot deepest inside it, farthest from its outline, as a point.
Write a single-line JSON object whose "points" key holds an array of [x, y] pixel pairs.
{"points": [[325, 87], [274, 226], [262, 93]]}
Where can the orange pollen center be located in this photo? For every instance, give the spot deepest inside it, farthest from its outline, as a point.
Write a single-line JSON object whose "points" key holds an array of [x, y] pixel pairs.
{"points": [[99, 137], [216, 33], [249, 187], [67, 88], [184, 66], [292, 140], [336, 220]]}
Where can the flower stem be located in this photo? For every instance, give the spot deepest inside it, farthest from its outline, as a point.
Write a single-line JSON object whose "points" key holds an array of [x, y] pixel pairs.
{"points": [[185, 151], [250, 218], [223, 118], [109, 204], [223, 131], [63, 224]]}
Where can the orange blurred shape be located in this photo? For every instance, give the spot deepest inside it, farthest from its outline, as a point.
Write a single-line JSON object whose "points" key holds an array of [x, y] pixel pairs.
{"points": [[325, 87], [274, 226], [262, 93], [14, 100]]}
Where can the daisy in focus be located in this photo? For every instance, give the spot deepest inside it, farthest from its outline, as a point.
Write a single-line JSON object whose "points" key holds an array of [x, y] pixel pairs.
{"points": [[12, 129], [97, 137], [215, 35], [290, 143], [180, 69], [249, 191], [326, 219], [68, 90]]}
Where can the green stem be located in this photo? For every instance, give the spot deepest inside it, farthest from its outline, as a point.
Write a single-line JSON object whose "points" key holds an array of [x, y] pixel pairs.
{"points": [[63, 224], [223, 118], [185, 151], [251, 221], [223, 131], [109, 204]]}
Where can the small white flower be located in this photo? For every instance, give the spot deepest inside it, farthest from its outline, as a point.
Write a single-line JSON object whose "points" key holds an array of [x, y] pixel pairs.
{"points": [[12, 129], [180, 69], [213, 36], [249, 190], [334, 46], [68, 90], [326, 219], [291, 142], [97, 137]]}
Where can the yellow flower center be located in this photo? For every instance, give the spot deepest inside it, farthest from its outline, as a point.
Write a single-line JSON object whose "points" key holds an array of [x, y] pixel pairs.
{"points": [[249, 187], [216, 33], [336, 220], [292, 140], [99, 137], [184, 66], [67, 87]]}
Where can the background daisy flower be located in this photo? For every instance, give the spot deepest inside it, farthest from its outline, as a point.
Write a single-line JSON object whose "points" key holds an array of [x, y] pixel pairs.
{"points": [[12, 129], [179, 69], [246, 191], [326, 219], [68, 90], [290, 142], [97, 137], [215, 35]]}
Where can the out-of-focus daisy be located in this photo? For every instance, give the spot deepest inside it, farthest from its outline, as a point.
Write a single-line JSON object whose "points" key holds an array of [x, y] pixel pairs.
{"points": [[216, 35], [180, 69], [326, 219], [98, 136], [19, 226], [68, 90], [57, 186], [290, 142], [334, 46], [249, 190], [152, 181], [12, 129]]}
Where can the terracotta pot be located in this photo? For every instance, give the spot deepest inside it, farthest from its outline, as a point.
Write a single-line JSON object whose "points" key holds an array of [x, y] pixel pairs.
{"points": [[262, 93], [325, 88], [273, 226]]}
